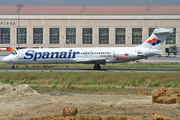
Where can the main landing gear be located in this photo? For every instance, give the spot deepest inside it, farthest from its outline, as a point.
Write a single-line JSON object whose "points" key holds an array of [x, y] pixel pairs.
{"points": [[97, 67], [12, 66]]}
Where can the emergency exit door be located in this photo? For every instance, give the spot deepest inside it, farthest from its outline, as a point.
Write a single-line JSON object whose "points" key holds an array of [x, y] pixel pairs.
{"points": [[20, 54]]}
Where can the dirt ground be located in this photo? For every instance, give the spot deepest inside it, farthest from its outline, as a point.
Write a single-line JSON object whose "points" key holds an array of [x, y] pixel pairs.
{"points": [[27, 107]]}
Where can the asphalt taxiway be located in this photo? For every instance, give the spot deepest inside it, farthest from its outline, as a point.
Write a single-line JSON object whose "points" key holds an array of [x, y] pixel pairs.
{"points": [[91, 69]]}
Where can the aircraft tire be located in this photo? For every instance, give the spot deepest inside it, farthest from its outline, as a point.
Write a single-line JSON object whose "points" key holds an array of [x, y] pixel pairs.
{"points": [[12, 67], [97, 67]]}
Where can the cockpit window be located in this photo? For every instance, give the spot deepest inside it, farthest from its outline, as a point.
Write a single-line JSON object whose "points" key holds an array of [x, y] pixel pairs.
{"points": [[14, 52]]}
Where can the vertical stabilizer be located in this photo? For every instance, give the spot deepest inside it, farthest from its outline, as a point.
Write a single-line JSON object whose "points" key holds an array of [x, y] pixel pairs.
{"points": [[157, 38]]}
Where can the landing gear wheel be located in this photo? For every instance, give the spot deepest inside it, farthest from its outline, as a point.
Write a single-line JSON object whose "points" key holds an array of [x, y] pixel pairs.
{"points": [[12, 67], [97, 67]]}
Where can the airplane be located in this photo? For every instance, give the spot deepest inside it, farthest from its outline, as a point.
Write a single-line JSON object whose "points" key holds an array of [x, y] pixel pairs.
{"points": [[92, 55]]}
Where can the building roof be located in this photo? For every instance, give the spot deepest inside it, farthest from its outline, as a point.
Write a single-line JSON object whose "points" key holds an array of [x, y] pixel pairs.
{"points": [[91, 10]]}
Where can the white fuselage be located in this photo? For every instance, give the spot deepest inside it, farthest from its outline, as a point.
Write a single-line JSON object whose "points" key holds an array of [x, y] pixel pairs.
{"points": [[100, 55]]}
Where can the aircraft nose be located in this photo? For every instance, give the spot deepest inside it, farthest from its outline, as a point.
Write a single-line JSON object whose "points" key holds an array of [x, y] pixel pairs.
{"points": [[6, 59]]}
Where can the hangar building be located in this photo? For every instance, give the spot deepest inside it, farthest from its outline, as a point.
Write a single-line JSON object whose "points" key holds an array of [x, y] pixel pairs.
{"points": [[86, 26]]}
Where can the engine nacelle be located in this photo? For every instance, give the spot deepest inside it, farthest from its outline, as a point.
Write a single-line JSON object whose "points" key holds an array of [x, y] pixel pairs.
{"points": [[131, 55]]}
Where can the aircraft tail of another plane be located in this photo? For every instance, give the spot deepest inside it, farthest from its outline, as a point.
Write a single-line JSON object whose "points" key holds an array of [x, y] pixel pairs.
{"points": [[157, 38]]}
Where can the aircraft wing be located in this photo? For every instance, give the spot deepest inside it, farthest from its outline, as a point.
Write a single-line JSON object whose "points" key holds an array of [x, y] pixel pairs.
{"points": [[90, 61]]}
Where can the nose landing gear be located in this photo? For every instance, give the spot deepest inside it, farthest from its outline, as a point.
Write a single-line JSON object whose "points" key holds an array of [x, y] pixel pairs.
{"points": [[12, 66], [97, 67]]}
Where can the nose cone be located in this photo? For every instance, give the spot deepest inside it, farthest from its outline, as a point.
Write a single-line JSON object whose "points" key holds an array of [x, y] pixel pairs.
{"points": [[6, 59]]}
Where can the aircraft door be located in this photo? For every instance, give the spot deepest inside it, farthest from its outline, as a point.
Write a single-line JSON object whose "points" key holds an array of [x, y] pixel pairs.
{"points": [[113, 54], [20, 54]]}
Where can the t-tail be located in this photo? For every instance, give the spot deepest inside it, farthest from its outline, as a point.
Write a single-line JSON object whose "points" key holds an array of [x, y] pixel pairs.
{"points": [[157, 38]]}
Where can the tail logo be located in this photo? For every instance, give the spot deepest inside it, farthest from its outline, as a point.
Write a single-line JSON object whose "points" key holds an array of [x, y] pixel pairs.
{"points": [[154, 41], [126, 54]]}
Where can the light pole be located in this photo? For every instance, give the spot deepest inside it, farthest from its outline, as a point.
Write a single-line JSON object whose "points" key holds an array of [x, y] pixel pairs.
{"points": [[19, 7]]}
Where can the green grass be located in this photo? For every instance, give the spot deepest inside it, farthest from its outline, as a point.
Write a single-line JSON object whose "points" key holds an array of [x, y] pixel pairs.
{"points": [[67, 79]]}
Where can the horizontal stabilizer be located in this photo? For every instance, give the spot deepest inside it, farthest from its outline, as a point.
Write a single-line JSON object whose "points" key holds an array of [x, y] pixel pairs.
{"points": [[161, 31]]}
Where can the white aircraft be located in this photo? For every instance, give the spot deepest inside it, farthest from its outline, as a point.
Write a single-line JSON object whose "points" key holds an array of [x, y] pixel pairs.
{"points": [[96, 56]]}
